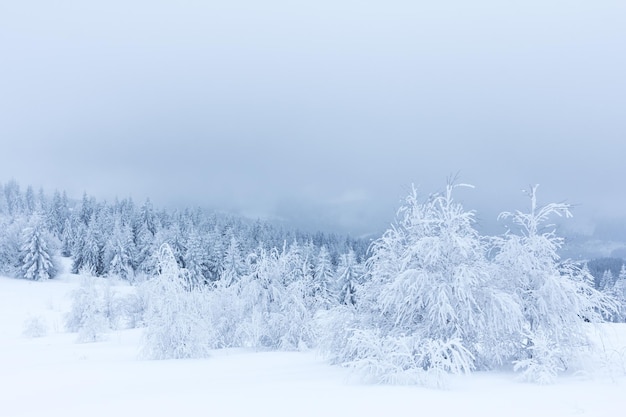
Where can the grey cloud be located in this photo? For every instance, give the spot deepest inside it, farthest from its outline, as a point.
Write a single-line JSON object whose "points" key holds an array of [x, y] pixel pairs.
{"points": [[329, 110]]}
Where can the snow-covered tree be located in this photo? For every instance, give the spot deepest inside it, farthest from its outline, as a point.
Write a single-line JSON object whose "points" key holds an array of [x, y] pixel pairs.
{"points": [[348, 276], [30, 205], [233, 265], [618, 292], [68, 240], [196, 258], [622, 273], [607, 281], [429, 306], [57, 214], [11, 241], [323, 286], [555, 296], [275, 311], [36, 253], [13, 196], [118, 252], [88, 250], [175, 314]]}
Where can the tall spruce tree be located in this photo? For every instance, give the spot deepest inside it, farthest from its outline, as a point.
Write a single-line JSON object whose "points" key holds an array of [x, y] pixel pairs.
{"points": [[36, 255]]}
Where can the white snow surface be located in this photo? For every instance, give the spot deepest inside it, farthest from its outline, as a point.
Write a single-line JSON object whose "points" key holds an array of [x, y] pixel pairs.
{"points": [[54, 375]]}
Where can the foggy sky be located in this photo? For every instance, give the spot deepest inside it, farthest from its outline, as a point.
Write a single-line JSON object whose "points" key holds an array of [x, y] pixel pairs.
{"points": [[321, 113]]}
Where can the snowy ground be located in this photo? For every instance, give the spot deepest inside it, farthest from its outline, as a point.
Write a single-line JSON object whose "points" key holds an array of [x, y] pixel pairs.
{"points": [[55, 376]]}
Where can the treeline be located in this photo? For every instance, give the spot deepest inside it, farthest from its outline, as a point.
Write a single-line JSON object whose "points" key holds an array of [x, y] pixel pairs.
{"points": [[606, 271], [433, 298], [122, 239], [609, 276]]}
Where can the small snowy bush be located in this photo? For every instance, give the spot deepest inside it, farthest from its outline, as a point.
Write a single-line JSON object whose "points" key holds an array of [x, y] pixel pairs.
{"points": [[132, 308], [35, 326], [88, 314]]}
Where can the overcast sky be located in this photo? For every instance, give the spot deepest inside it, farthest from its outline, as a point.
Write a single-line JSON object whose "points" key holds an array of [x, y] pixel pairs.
{"points": [[322, 111]]}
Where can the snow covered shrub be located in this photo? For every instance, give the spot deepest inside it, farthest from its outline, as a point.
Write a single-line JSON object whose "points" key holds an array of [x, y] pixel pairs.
{"points": [[88, 314], [276, 304], [175, 316], [557, 298], [335, 328], [429, 306], [132, 307], [35, 326], [223, 314], [406, 359]]}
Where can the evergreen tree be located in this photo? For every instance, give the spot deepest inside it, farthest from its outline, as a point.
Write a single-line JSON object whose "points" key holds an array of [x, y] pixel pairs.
{"points": [[88, 252], [233, 266], [13, 196], [349, 273], [67, 239], [87, 209], [118, 252], [622, 273], [324, 285], [196, 258], [147, 218], [57, 215], [30, 205], [10, 245], [606, 283], [36, 256]]}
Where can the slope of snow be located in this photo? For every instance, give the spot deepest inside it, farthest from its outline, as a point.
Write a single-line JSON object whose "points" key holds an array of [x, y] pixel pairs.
{"points": [[55, 376]]}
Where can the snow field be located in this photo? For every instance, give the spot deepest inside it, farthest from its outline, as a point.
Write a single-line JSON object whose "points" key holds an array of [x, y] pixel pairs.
{"points": [[54, 375]]}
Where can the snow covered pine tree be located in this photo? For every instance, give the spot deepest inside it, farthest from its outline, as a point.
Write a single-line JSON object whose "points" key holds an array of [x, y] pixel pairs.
{"points": [[36, 256]]}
